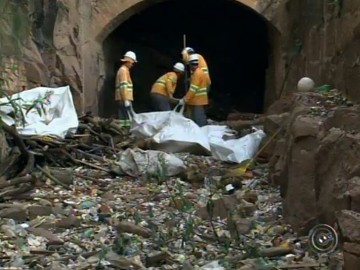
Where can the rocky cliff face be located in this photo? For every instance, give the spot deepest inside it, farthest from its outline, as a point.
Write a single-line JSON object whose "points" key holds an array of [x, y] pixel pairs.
{"points": [[318, 162], [328, 32], [316, 165], [52, 56]]}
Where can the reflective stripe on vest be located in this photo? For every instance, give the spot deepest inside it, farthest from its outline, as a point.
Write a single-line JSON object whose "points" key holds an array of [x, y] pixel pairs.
{"points": [[125, 123], [162, 82], [205, 69], [198, 91], [125, 85], [173, 80]]}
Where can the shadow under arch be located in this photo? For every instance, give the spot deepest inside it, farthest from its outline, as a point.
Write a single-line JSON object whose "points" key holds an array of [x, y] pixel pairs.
{"points": [[233, 60]]}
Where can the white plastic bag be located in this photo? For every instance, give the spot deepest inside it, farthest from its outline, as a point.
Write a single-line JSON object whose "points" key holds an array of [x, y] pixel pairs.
{"points": [[60, 116], [145, 125], [137, 162], [214, 265], [170, 132], [181, 134], [236, 150]]}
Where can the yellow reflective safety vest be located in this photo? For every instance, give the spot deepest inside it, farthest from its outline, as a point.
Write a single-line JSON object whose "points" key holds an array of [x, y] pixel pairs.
{"points": [[203, 65], [123, 85], [197, 94], [165, 85]]}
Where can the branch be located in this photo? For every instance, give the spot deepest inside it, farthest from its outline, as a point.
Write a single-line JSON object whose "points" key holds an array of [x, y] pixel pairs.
{"points": [[18, 141], [57, 181], [16, 181]]}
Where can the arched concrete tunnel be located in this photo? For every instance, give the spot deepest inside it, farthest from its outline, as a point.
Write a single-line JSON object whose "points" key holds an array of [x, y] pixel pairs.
{"points": [[232, 37]]}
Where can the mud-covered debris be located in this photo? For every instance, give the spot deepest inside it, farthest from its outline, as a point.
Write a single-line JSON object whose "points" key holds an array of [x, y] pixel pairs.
{"points": [[101, 220]]}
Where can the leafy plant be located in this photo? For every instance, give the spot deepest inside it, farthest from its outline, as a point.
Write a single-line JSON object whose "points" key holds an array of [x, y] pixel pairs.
{"points": [[18, 114], [188, 230], [137, 217], [38, 104], [102, 254]]}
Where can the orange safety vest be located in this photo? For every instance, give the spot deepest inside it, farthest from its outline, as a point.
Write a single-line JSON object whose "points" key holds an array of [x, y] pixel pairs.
{"points": [[197, 94], [165, 85], [203, 65], [123, 85]]}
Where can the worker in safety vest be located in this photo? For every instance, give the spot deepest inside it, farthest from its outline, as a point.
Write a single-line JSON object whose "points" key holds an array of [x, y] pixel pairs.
{"points": [[124, 88], [202, 64], [164, 87], [196, 97]]}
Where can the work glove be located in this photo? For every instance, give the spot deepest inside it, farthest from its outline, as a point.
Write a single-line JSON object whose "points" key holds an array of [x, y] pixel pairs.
{"points": [[127, 104], [182, 102]]}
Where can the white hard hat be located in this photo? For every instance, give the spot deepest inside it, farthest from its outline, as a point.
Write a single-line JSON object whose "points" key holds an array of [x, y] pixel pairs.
{"points": [[179, 67], [188, 50], [129, 55], [305, 84], [194, 58]]}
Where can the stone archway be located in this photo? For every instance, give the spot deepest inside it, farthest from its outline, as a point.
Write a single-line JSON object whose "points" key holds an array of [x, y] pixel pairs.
{"points": [[113, 13], [107, 16]]}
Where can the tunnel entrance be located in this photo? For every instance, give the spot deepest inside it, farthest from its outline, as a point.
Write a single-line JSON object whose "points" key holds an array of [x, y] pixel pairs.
{"points": [[232, 37]]}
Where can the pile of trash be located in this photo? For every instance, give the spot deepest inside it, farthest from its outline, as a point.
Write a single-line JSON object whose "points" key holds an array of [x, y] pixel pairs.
{"points": [[92, 199], [49, 134], [151, 222]]}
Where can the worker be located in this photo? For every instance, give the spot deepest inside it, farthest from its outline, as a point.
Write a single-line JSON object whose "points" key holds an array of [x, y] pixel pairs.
{"points": [[124, 88], [202, 64], [162, 92], [196, 97]]}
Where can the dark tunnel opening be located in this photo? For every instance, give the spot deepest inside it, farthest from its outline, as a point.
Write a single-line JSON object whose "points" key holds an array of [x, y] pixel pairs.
{"points": [[232, 38]]}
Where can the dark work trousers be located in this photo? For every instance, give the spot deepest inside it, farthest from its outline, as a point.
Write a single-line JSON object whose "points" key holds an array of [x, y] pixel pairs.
{"points": [[197, 114], [123, 115], [160, 102]]}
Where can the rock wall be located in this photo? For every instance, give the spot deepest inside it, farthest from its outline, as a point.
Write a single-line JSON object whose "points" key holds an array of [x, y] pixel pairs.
{"points": [[318, 169], [319, 39], [316, 164]]}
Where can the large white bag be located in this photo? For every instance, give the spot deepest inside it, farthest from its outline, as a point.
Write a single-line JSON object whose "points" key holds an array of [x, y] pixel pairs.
{"points": [[137, 162], [170, 131], [145, 125], [235, 150], [60, 116]]}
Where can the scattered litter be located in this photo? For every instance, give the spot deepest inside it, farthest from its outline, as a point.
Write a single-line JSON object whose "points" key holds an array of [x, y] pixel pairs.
{"points": [[137, 162], [89, 201]]}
